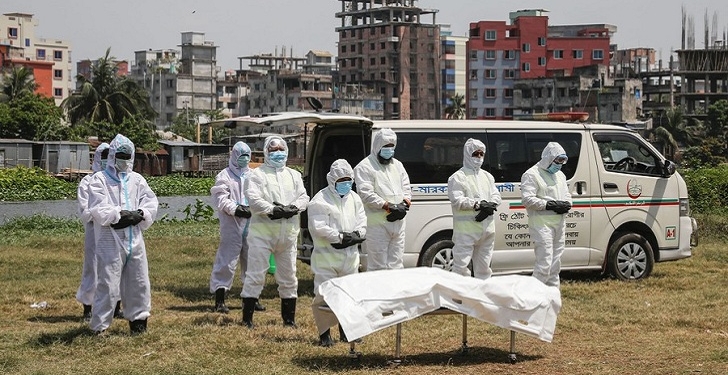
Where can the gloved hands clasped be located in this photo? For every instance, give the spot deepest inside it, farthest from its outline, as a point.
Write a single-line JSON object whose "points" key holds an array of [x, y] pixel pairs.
{"points": [[128, 218], [560, 207], [280, 211], [243, 211], [396, 211], [484, 209], [348, 239]]}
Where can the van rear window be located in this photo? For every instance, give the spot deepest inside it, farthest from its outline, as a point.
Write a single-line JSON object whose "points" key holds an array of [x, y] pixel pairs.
{"points": [[511, 154]]}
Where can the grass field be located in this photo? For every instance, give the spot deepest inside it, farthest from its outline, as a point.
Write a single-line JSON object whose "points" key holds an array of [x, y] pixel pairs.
{"points": [[674, 322]]}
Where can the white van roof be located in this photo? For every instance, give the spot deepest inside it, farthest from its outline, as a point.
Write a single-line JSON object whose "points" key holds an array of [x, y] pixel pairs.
{"points": [[290, 118], [490, 125]]}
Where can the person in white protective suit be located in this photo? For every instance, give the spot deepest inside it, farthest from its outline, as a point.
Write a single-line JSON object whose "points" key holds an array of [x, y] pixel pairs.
{"points": [[384, 187], [276, 195], [85, 292], [337, 223], [234, 214], [546, 196], [474, 198], [122, 206]]}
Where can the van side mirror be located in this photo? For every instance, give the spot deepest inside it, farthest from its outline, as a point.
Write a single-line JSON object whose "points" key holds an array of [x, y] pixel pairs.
{"points": [[669, 168]]}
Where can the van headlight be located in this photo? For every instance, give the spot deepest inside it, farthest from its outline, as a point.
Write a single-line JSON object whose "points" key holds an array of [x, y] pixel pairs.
{"points": [[684, 207]]}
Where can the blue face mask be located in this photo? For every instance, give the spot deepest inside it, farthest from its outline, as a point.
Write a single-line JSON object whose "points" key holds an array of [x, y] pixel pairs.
{"points": [[278, 158], [343, 187], [386, 152], [243, 160], [553, 168]]}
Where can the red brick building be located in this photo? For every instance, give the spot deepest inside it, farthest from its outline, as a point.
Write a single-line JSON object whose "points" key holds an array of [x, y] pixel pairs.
{"points": [[11, 56]]}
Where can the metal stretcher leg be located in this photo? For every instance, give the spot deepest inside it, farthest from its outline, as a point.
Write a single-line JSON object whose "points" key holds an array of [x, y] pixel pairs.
{"points": [[465, 347], [398, 346], [512, 354]]}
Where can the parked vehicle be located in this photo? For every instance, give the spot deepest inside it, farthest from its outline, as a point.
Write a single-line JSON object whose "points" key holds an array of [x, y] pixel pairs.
{"points": [[630, 207]]}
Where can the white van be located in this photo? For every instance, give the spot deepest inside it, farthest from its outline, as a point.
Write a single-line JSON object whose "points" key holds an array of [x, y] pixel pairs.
{"points": [[630, 208]]}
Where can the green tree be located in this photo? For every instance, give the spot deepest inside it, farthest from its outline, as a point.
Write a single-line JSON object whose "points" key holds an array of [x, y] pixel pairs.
{"points": [[106, 96], [32, 117], [675, 132], [139, 130], [16, 82], [717, 121], [185, 125], [456, 108]]}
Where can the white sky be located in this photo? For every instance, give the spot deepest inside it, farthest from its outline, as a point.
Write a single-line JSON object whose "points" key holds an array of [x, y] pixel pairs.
{"points": [[248, 27]]}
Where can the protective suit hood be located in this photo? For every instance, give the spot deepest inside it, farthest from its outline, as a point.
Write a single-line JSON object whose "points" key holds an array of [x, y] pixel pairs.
{"points": [[339, 169], [383, 137], [96, 165], [267, 143], [550, 152], [239, 148], [124, 144], [471, 145]]}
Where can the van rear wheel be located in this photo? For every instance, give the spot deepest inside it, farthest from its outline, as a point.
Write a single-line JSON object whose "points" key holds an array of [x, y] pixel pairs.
{"points": [[630, 257], [439, 255]]}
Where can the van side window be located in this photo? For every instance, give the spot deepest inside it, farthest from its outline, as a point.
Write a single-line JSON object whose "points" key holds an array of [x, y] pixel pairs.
{"points": [[512, 153], [432, 157], [625, 153]]}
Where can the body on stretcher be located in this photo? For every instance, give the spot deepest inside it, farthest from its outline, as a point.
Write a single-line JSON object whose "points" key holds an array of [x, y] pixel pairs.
{"points": [[367, 302]]}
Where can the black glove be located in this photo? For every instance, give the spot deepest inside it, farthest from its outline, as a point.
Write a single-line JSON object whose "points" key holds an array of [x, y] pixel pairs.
{"points": [[356, 237], [560, 207], [397, 211], [137, 217], [485, 209], [278, 213], [290, 211], [348, 239], [243, 211], [126, 219]]}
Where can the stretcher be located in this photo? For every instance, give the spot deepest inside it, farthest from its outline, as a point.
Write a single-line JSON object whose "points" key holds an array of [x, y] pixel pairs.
{"points": [[367, 302]]}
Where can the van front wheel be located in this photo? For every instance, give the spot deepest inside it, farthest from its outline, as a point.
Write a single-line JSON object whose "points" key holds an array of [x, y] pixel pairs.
{"points": [[630, 257], [439, 255]]}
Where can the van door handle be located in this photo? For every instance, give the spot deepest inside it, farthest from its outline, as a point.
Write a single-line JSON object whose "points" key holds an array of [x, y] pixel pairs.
{"points": [[580, 187], [610, 185]]}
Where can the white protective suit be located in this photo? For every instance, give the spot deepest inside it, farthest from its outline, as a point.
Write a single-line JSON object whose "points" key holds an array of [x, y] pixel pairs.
{"points": [[227, 193], [330, 214], [546, 228], [378, 184], [120, 253], [473, 240], [267, 184], [86, 290]]}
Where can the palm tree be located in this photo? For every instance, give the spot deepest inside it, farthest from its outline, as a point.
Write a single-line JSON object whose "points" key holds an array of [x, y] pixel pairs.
{"points": [[106, 96], [18, 81], [675, 132], [456, 108]]}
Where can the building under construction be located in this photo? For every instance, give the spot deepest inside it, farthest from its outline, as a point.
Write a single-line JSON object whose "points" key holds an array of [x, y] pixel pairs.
{"points": [[384, 47], [703, 72]]}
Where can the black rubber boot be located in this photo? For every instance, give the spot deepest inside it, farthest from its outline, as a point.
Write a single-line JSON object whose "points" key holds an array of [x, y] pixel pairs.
{"points": [[342, 336], [220, 301], [138, 327], [288, 312], [259, 307], [248, 310], [118, 312], [325, 339], [86, 313]]}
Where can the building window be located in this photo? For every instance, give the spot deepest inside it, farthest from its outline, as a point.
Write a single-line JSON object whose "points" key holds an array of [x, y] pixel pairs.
{"points": [[170, 83], [353, 48], [559, 54], [509, 73], [373, 61], [473, 94], [13, 32], [489, 34], [577, 54], [473, 55], [490, 74], [58, 55], [526, 93], [473, 113], [27, 42], [526, 47], [490, 93], [507, 93], [382, 45], [40, 54], [473, 74], [58, 93], [490, 112], [490, 54], [561, 92], [57, 74], [343, 64], [541, 61], [509, 54], [343, 49], [383, 60], [526, 67], [541, 41], [353, 78], [169, 100], [372, 46], [507, 112], [597, 54], [382, 75]]}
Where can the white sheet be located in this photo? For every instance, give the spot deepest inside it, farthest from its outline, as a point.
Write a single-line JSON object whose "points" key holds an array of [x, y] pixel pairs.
{"points": [[366, 302]]}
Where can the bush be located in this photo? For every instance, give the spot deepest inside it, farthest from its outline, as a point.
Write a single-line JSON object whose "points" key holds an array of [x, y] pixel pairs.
{"points": [[708, 189], [33, 184], [171, 185]]}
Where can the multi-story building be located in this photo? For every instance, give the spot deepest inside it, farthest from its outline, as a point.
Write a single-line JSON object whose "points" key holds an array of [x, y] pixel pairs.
{"points": [[12, 56], [453, 66], [704, 79], [84, 68], [20, 29], [156, 71], [233, 91], [527, 47], [384, 46]]}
